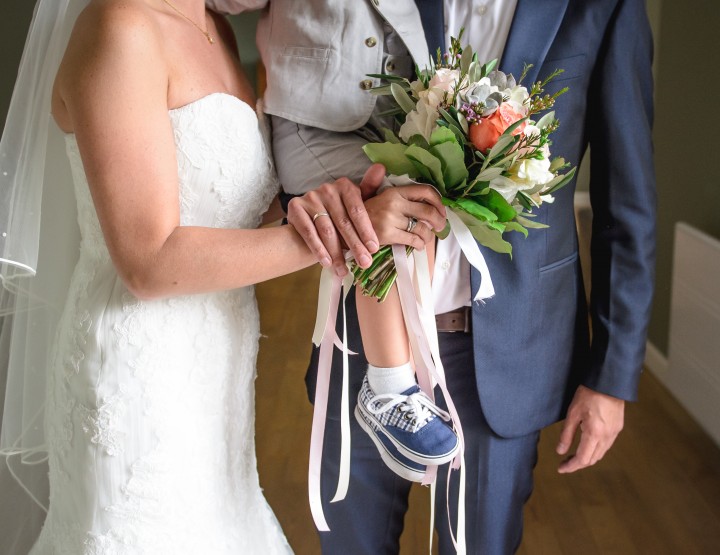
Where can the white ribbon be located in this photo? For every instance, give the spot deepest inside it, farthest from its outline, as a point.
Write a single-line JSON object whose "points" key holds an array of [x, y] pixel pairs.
{"points": [[472, 252]]}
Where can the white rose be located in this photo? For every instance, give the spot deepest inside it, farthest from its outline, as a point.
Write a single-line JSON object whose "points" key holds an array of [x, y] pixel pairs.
{"points": [[530, 173], [421, 121]]}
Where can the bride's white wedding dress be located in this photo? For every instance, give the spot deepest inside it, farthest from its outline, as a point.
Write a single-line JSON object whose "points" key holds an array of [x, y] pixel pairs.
{"points": [[150, 413]]}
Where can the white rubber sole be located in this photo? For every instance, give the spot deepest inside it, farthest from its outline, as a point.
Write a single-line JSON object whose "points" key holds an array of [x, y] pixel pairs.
{"points": [[390, 461], [412, 455]]}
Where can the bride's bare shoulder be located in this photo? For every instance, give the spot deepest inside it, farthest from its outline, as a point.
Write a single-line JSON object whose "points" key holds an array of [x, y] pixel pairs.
{"points": [[115, 45], [115, 25]]}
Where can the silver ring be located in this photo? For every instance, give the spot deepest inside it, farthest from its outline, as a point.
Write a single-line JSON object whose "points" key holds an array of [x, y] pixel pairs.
{"points": [[412, 222], [317, 215]]}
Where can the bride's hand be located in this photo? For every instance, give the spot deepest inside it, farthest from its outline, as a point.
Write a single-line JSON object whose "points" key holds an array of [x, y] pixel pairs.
{"points": [[333, 217]]}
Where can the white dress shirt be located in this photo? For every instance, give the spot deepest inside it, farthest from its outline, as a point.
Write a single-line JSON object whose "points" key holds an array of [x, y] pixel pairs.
{"points": [[487, 25]]}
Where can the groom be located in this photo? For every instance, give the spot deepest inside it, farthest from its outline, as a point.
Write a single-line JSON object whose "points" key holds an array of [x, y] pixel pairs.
{"points": [[524, 359]]}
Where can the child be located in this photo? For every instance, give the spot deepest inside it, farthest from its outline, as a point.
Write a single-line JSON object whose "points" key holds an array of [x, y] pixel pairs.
{"points": [[408, 429]]}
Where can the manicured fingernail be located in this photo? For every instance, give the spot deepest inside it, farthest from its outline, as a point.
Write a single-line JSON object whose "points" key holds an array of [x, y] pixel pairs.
{"points": [[372, 246], [364, 260], [325, 261]]}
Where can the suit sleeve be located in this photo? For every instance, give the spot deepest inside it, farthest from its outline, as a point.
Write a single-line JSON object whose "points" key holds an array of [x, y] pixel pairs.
{"points": [[622, 193]]}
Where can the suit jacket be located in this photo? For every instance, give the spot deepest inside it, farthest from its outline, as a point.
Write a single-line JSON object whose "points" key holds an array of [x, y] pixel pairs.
{"points": [[531, 340]]}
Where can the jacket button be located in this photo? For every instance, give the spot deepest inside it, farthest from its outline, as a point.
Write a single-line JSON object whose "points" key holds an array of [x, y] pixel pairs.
{"points": [[370, 42], [390, 66], [366, 85]]}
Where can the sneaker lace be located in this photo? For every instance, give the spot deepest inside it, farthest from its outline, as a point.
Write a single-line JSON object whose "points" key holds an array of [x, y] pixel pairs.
{"points": [[417, 407]]}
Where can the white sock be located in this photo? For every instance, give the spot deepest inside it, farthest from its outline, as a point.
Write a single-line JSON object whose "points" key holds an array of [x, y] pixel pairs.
{"points": [[391, 380]]}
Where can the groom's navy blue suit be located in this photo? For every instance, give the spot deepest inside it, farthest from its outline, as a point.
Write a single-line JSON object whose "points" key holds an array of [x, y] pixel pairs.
{"points": [[529, 348]]}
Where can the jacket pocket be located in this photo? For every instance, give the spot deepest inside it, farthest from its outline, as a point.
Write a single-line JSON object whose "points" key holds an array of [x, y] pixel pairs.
{"points": [[306, 52], [572, 66], [559, 263]]}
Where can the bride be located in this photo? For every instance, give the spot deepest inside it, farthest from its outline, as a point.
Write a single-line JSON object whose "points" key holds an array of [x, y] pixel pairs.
{"points": [[149, 404]]}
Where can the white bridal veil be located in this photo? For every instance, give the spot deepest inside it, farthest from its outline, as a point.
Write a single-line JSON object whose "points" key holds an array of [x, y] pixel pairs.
{"points": [[38, 250]]}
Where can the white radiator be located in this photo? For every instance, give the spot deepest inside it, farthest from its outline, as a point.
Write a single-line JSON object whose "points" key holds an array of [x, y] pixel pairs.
{"points": [[693, 371]]}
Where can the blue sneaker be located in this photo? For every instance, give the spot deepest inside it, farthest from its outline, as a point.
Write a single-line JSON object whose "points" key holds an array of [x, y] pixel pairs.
{"points": [[393, 459], [410, 422]]}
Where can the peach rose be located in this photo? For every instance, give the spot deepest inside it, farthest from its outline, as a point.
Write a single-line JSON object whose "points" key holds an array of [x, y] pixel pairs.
{"points": [[485, 134]]}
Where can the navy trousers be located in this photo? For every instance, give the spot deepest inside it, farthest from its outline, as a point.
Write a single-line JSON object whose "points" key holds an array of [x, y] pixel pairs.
{"points": [[499, 472]]}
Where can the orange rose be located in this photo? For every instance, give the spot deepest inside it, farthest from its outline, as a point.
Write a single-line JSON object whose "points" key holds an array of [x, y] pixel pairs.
{"points": [[485, 134]]}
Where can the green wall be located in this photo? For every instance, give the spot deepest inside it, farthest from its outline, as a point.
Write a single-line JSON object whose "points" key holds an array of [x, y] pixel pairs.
{"points": [[687, 143], [686, 124]]}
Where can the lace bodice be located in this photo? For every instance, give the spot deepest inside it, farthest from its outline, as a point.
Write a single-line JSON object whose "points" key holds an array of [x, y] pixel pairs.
{"points": [[225, 172]]}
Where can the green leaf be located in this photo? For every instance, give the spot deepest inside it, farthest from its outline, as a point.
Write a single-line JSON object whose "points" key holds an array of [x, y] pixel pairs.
{"points": [[444, 233], [486, 236], [501, 146], [557, 163], [511, 129], [515, 226], [463, 123], [488, 67], [402, 98], [488, 174], [530, 223], [546, 120], [452, 157], [419, 140], [466, 60], [390, 136], [392, 156], [428, 165], [497, 203], [564, 180], [389, 77], [478, 211], [442, 135]]}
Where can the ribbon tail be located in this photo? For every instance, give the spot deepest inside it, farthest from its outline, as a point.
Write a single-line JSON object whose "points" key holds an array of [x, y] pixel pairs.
{"points": [[345, 435], [321, 399], [472, 252]]}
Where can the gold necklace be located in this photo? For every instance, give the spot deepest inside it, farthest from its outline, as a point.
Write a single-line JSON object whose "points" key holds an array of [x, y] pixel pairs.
{"points": [[186, 18]]}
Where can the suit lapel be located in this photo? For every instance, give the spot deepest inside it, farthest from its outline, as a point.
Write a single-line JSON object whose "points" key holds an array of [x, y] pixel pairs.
{"points": [[534, 26], [432, 14]]}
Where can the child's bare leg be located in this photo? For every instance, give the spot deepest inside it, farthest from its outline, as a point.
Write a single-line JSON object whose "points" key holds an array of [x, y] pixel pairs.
{"points": [[385, 340]]}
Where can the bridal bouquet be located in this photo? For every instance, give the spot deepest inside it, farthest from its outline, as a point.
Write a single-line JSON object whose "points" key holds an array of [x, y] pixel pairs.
{"points": [[471, 132]]}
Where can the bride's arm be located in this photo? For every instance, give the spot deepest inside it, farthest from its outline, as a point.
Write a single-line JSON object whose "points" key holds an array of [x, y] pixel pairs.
{"points": [[112, 93]]}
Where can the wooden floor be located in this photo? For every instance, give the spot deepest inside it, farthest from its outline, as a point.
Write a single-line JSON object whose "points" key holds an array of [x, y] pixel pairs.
{"points": [[657, 492]]}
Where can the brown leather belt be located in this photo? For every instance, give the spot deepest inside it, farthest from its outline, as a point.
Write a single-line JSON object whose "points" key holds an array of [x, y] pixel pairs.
{"points": [[456, 320]]}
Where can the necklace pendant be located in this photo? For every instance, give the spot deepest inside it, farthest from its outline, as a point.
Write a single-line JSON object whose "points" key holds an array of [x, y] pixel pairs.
{"points": [[210, 39]]}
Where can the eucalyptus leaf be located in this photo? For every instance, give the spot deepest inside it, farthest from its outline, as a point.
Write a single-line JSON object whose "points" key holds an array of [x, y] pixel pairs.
{"points": [[402, 98], [546, 120], [444, 233], [488, 174], [463, 123], [530, 223], [503, 143], [465, 60], [389, 77], [390, 136], [567, 178], [515, 226], [392, 156]]}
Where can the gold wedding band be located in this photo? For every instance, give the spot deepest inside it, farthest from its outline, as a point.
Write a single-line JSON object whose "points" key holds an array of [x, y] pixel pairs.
{"points": [[317, 215], [412, 222]]}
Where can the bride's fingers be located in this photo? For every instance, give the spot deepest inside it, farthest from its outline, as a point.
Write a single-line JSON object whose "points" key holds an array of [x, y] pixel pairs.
{"points": [[301, 216]]}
